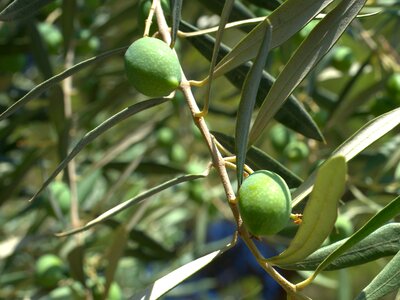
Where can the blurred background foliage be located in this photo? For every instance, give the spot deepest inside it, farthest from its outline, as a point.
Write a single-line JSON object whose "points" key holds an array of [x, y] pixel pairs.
{"points": [[358, 80]]}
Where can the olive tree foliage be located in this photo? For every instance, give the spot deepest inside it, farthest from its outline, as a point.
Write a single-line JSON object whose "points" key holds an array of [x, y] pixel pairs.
{"points": [[126, 188]]}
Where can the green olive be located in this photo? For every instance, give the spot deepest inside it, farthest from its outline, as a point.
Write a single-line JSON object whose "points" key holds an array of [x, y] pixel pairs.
{"points": [[342, 58], [143, 13], [49, 270], [280, 136], [152, 67], [393, 85], [264, 203], [343, 229], [296, 151]]}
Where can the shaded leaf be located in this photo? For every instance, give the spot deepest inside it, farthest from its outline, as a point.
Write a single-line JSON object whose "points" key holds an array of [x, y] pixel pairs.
{"points": [[239, 10], [171, 280], [133, 201], [39, 89], [319, 214], [22, 9], [310, 51], [385, 241], [388, 280], [176, 19], [103, 127], [144, 241], [364, 137], [247, 102], [114, 254], [259, 160], [292, 113], [76, 263]]}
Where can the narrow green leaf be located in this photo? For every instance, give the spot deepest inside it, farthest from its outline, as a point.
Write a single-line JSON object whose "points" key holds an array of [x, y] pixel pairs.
{"points": [[76, 262], [103, 127], [259, 160], [292, 114], [385, 241], [247, 102], [313, 48], [39, 50], [364, 137], [286, 20], [387, 213], [176, 19], [388, 280], [221, 29], [319, 214], [145, 242], [8, 186], [171, 280], [68, 20], [114, 254], [133, 201], [39, 89], [239, 10], [270, 5], [22, 9]]}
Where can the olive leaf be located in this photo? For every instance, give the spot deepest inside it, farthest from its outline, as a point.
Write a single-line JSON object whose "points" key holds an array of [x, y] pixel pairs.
{"points": [[314, 47], [248, 100], [319, 214], [93, 134], [360, 140], [22, 9], [386, 281], [385, 241], [133, 201]]}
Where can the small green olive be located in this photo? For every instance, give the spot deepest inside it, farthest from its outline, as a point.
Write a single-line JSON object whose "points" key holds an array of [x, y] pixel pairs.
{"points": [[342, 58], [152, 67], [296, 151], [264, 203], [49, 270]]}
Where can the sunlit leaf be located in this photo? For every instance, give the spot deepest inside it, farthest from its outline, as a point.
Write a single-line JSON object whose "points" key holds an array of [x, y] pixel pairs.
{"points": [[387, 213], [169, 281], [314, 47], [364, 137], [292, 114], [286, 20], [383, 242], [319, 214], [387, 281]]}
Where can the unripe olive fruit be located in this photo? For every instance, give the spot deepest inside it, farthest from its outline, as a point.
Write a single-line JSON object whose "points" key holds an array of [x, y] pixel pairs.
{"points": [[343, 229], [143, 13], [296, 151], [49, 270], [342, 58], [393, 85], [280, 136], [264, 203], [152, 67]]}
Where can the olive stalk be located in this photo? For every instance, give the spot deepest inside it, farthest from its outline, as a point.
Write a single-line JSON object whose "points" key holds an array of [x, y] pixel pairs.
{"points": [[219, 164]]}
